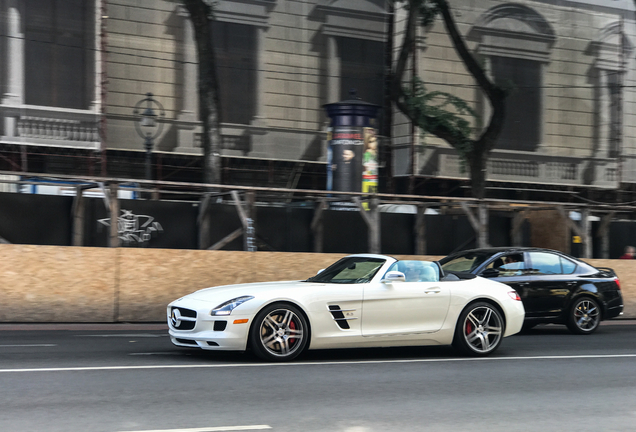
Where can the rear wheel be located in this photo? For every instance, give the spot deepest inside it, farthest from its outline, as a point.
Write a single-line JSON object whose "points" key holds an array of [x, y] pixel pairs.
{"points": [[584, 316], [479, 330], [279, 333]]}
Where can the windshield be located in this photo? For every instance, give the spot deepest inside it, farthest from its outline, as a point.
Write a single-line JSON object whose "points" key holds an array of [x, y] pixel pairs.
{"points": [[349, 270], [465, 262]]}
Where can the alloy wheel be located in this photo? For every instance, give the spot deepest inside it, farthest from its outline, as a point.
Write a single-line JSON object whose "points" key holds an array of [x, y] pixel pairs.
{"points": [[585, 316], [282, 333], [481, 329]]}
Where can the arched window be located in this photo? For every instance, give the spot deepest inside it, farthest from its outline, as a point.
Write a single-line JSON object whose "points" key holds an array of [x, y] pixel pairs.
{"points": [[355, 43], [239, 31], [516, 42], [58, 55], [361, 68], [235, 51]]}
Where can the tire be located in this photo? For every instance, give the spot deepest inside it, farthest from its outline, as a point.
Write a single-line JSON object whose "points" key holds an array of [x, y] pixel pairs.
{"points": [[479, 330], [584, 316], [279, 332]]}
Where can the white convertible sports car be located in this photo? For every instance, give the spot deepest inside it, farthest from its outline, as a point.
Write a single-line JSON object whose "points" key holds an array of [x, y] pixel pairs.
{"points": [[360, 301]]}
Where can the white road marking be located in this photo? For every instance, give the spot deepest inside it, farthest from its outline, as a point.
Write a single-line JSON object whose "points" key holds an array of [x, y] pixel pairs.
{"points": [[142, 335], [28, 345], [211, 429], [327, 363], [173, 353]]}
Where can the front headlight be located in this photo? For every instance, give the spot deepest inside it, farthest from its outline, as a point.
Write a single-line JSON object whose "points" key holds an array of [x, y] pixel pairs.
{"points": [[227, 307]]}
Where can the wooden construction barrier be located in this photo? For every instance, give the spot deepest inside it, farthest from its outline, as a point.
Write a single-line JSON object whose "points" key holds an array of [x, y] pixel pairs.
{"points": [[43, 284]]}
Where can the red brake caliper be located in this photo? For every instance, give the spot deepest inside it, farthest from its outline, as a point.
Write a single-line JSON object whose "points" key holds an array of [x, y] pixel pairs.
{"points": [[292, 326], [469, 328]]}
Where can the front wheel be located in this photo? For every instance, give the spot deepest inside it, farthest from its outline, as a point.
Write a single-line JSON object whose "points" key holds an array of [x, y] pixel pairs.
{"points": [[479, 330], [584, 316], [279, 333]]}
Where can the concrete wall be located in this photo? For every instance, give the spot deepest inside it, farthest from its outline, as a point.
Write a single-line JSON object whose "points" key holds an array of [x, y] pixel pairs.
{"points": [[75, 284]]}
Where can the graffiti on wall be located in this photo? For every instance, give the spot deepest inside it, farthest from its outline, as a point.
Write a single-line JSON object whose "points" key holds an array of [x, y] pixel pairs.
{"points": [[132, 228]]}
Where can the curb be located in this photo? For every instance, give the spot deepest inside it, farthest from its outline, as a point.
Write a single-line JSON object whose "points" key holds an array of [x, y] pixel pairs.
{"points": [[82, 326]]}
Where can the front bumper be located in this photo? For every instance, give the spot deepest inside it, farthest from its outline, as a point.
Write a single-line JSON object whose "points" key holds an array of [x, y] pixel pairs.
{"points": [[209, 332], [515, 314]]}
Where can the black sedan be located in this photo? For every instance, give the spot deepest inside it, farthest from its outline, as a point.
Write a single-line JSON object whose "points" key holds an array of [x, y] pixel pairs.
{"points": [[554, 287]]}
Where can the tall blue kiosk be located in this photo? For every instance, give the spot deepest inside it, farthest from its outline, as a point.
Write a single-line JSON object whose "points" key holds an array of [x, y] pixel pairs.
{"points": [[352, 154]]}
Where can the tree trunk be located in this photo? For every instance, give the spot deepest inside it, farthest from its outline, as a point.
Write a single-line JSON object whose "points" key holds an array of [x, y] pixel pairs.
{"points": [[201, 16], [480, 148], [477, 163]]}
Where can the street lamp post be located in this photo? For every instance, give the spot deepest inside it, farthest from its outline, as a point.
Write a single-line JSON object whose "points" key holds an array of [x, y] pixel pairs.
{"points": [[149, 125]]}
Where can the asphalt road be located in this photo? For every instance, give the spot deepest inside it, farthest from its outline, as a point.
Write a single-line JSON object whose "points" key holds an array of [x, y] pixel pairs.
{"points": [[130, 378]]}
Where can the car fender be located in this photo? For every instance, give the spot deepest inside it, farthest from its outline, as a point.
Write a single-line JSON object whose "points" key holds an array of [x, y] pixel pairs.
{"points": [[463, 296]]}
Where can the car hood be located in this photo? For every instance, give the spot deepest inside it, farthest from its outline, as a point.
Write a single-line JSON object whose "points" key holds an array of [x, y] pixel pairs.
{"points": [[227, 292]]}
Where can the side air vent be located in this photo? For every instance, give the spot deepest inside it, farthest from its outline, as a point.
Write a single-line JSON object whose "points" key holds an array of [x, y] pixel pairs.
{"points": [[338, 315]]}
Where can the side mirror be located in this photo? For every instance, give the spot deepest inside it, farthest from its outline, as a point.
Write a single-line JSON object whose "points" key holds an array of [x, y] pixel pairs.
{"points": [[490, 273], [394, 276]]}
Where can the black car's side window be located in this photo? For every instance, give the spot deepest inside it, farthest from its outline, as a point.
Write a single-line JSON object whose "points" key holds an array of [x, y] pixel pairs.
{"points": [[510, 265], [550, 264], [567, 266]]}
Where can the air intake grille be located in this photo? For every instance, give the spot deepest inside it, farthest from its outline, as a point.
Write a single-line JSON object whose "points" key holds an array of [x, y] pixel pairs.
{"points": [[182, 319]]}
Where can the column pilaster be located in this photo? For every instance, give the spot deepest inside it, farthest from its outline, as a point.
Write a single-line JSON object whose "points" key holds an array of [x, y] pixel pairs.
{"points": [[259, 116], [604, 119], [333, 70], [188, 116], [14, 95]]}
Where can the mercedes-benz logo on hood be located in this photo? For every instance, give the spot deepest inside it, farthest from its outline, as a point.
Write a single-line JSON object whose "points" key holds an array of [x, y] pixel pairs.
{"points": [[175, 318]]}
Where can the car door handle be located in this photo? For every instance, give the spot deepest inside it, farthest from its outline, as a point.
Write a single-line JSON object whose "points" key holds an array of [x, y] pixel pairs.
{"points": [[435, 290], [523, 284]]}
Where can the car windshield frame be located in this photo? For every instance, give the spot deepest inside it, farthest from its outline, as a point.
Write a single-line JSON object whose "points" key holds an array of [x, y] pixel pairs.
{"points": [[350, 270]]}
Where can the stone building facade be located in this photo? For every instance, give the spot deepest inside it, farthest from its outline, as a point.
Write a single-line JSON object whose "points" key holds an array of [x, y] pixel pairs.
{"points": [[569, 68], [73, 70]]}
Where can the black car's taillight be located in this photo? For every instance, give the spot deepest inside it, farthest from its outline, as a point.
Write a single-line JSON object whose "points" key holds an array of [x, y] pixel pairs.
{"points": [[514, 295]]}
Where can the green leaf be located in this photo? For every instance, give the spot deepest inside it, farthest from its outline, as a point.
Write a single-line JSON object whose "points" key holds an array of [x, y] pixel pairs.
{"points": [[436, 110]]}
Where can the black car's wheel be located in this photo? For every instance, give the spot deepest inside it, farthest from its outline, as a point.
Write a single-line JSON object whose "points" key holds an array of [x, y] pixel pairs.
{"points": [[584, 316], [479, 330], [279, 332]]}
